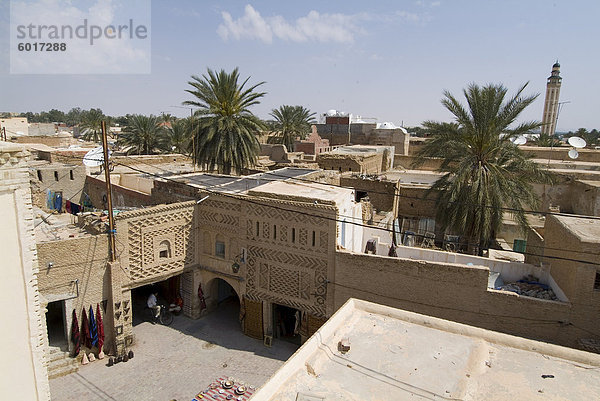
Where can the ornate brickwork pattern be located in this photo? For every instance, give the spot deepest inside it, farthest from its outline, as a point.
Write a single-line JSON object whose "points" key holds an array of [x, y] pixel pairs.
{"points": [[287, 278], [219, 220], [323, 238], [303, 223], [250, 229], [265, 230], [149, 227], [303, 237], [275, 213], [285, 281], [264, 276]]}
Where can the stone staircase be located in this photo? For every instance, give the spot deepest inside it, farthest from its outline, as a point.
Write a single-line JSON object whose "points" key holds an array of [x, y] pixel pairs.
{"points": [[60, 363]]}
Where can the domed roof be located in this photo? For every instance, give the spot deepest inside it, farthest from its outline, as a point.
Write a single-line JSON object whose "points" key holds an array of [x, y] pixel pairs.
{"points": [[331, 113], [556, 65]]}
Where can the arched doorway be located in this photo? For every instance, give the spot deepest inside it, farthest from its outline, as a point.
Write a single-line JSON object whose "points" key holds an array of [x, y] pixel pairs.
{"points": [[223, 302]]}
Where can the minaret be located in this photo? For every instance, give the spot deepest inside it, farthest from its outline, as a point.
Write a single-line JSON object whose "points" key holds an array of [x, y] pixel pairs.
{"points": [[551, 103]]}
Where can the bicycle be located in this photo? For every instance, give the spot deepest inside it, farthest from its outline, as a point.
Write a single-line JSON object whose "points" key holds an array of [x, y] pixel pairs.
{"points": [[165, 317]]}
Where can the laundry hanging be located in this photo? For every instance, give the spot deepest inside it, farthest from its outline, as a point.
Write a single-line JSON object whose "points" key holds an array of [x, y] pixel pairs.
{"points": [[49, 199], [58, 201], [75, 334], [75, 208], [100, 326], [93, 330], [85, 330]]}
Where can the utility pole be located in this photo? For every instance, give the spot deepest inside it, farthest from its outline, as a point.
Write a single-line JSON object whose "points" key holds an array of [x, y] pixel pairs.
{"points": [[111, 223]]}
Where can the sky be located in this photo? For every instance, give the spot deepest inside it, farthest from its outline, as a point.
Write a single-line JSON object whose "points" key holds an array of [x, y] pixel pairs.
{"points": [[385, 60]]}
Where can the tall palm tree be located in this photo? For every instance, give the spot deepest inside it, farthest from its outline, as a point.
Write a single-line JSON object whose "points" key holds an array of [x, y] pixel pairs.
{"points": [[484, 171], [225, 130], [291, 122], [91, 122], [144, 134]]}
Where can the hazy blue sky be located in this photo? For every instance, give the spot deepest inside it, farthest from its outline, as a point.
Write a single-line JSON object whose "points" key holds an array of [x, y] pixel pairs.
{"points": [[388, 60]]}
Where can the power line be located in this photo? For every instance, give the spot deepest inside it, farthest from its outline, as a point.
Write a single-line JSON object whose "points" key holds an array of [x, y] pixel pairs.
{"points": [[371, 226], [396, 195], [245, 199]]}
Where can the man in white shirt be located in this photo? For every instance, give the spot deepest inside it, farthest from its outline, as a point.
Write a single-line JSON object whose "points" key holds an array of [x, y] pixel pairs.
{"points": [[152, 304]]}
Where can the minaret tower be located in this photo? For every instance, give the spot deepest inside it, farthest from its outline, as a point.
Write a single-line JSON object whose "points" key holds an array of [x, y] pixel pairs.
{"points": [[551, 103]]}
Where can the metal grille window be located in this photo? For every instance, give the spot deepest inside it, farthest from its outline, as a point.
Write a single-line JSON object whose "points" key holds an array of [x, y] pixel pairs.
{"points": [[220, 247]]}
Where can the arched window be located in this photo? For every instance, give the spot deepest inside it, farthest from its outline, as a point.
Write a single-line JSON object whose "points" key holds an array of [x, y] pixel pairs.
{"points": [[164, 249]]}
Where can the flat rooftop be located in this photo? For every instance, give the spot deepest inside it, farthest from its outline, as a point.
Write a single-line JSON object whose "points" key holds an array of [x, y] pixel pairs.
{"points": [[413, 177], [399, 355], [359, 149], [587, 229], [56, 226], [304, 191], [240, 184]]}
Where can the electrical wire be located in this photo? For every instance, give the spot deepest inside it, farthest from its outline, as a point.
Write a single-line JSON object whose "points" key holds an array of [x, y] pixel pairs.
{"points": [[247, 200], [341, 221], [237, 197]]}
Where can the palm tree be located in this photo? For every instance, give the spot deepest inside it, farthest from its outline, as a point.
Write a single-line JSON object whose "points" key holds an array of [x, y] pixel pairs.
{"points": [[91, 122], [225, 130], [178, 137], [144, 135], [168, 119], [546, 140], [484, 171], [291, 122]]}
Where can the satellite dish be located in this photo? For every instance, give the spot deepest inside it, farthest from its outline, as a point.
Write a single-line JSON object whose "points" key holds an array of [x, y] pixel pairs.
{"points": [[573, 153], [94, 157], [520, 140], [577, 142]]}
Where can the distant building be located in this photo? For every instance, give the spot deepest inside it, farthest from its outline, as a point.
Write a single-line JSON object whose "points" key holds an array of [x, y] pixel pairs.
{"points": [[14, 126], [42, 129], [358, 158], [551, 104], [341, 128], [313, 144]]}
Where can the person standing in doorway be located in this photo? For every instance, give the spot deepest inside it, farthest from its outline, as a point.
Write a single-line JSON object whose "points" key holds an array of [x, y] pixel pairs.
{"points": [[153, 304]]}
